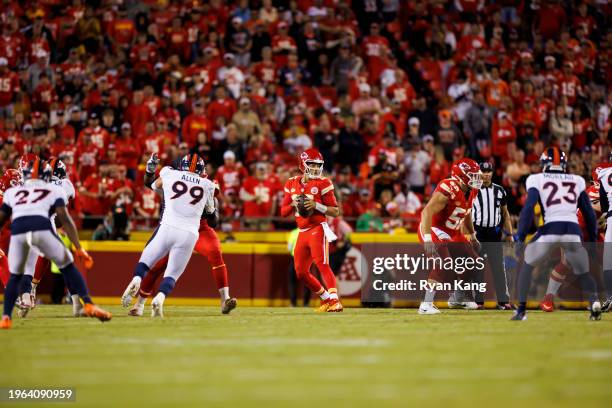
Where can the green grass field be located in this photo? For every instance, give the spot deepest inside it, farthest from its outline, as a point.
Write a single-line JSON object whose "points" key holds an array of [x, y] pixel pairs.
{"points": [[196, 357]]}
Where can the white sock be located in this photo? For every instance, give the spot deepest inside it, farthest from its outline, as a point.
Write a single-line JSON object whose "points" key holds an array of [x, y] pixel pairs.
{"points": [[333, 295], [429, 296], [160, 297], [141, 301], [324, 295], [224, 294], [553, 286]]}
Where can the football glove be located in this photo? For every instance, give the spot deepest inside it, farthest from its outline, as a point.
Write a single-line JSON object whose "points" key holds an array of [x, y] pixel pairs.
{"points": [[84, 258], [152, 163]]}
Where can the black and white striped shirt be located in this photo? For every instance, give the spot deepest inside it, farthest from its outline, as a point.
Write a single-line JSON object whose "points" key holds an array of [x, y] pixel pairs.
{"points": [[486, 210]]}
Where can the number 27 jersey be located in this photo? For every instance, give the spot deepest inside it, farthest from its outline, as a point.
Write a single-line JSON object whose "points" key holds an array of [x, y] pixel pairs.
{"points": [[559, 194], [186, 197]]}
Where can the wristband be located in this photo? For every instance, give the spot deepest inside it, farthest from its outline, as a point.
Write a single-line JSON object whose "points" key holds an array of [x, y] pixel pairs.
{"points": [[427, 237], [321, 208]]}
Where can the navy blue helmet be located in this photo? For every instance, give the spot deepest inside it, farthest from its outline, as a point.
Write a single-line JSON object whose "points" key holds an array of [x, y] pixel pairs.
{"points": [[192, 163], [553, 160]]}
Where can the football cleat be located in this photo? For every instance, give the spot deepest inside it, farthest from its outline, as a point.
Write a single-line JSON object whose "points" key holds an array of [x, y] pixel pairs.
{"points": [[428, 308], [595, 311], [136, 310], [78, 310], [547, 304], [131, 291], [519, 314], [157, 307], [470, 306], [506, 306], [324, 305], [92, 310], [607, 305], [6, 323], [24, 305], [229, 305], [334, 306]]}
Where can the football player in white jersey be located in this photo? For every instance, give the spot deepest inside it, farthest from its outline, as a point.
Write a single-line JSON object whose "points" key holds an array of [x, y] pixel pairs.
{"points": [[60, 178], [560, 195], [187, 196], [29, 208], [605, 198]]}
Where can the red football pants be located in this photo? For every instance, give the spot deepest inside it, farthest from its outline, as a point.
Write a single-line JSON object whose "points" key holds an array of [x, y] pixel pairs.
{"points": [[208, 245], [312, 246]]}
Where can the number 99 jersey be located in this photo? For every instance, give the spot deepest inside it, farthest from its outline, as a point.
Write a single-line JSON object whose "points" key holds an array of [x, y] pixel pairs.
{"points": [[448, 221], [186, 197], [559, 194]]}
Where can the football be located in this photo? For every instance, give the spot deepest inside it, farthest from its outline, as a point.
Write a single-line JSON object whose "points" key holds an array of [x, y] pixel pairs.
{"points": [[301, 206]]}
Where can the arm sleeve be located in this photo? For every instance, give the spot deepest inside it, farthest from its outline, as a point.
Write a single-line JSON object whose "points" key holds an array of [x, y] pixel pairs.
{"points": [[526, 217], [584, 204]]}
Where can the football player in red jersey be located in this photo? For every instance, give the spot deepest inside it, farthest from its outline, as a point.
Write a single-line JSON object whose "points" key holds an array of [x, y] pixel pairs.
{"points": [[208, 245], [562, 270], [310, 214], [10, 179], [446, 212]]}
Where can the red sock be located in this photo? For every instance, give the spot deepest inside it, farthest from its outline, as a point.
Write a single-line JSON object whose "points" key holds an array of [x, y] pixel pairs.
{"points": [[219, 274], [309, 280], [5, 274], [148, 283], [42, 266], [327, 275]]}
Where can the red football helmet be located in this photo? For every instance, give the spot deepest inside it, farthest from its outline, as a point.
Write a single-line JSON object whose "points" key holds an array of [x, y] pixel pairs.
{"points": [[311, 163], [26, 159], [468, 172]]}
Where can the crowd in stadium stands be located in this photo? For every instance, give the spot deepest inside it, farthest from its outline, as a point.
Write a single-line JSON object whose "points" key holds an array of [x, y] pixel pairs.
{"points": [[390, 92]]}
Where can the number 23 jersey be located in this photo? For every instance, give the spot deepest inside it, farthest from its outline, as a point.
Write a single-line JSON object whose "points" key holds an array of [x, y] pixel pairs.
{"points": [[186, 196], [559, 194], [459, 205]]}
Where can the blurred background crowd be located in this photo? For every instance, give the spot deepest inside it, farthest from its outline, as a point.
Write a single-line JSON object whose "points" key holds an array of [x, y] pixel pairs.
{"points": [[390, 91]]}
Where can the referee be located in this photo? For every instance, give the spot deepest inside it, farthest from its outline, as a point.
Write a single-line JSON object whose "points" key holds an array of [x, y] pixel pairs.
{"points": [[492, 224]]}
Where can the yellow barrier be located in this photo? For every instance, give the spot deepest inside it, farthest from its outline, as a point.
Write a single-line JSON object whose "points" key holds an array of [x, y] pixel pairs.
{"points": [[276, 237]]}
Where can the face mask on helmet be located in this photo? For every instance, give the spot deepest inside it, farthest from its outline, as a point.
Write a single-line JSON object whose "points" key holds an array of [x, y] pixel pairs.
{"points": [[475, 180], [314, 169]]}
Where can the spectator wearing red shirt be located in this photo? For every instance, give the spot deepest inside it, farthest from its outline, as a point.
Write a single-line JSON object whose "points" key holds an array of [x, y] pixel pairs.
{"points": [[88, 155], [375, 48], [146, 205], [230, 175], [282, 45], [138, 113], [221, 106], [568, 84], [258, 193], [9, 86], [128, 150], [550, 19], [502, 134], [122, 31], [195, 123]]}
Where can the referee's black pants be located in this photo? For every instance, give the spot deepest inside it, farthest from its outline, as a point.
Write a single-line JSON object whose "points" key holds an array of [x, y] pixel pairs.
{"points": [[492, 249]]}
